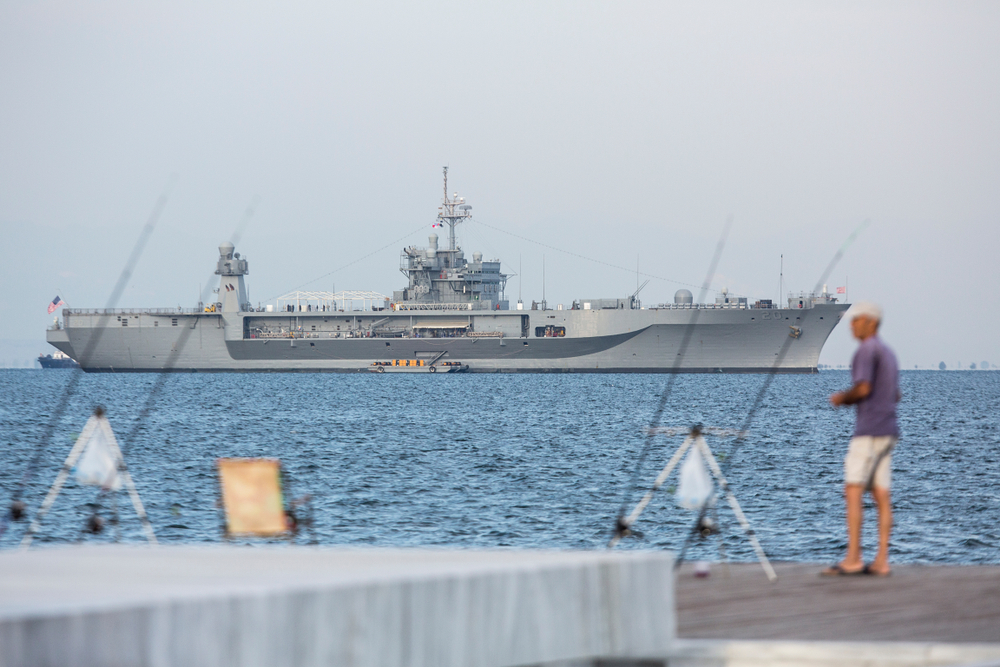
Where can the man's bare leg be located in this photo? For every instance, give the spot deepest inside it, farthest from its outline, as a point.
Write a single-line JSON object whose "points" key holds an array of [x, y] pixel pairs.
{"points": [[852, 494], [881, 563]]}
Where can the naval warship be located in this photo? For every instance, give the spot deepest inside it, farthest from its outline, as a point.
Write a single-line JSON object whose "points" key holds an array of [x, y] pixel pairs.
{"points": [[453, 314]]}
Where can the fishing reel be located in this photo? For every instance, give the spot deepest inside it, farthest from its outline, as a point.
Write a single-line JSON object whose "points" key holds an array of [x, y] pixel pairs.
{"points": [[17, 510], [295, 519], [622, 529], [707, 526], [95, 524]]}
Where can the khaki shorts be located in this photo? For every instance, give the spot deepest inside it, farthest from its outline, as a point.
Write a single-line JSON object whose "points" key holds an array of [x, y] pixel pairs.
{"points": [[862, 456]]}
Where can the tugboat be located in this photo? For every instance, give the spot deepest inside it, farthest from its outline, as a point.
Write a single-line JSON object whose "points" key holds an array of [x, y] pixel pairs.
{"points": [[57, 360]]}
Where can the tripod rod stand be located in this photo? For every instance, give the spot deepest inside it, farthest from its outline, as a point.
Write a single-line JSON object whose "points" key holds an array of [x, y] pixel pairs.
{"points": [[78, 448], [713, 465], [695, 439]]}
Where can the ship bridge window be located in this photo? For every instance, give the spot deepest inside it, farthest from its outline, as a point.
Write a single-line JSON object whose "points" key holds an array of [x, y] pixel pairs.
{"points": [[550, 331]]}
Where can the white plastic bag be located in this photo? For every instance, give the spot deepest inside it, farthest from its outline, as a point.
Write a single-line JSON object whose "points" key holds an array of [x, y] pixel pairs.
{"points": [[695, 487], [98, 465]]}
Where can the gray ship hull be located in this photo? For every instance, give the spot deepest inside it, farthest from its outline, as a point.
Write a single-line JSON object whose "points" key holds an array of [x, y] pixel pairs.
{"points": [[729, 340]]}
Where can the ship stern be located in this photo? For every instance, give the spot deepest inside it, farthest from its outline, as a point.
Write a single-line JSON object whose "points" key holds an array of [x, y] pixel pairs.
{"points": [[59, 339]]}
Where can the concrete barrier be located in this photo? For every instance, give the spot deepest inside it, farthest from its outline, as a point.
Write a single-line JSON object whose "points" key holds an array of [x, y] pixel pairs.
{"points": [[265, 606]]}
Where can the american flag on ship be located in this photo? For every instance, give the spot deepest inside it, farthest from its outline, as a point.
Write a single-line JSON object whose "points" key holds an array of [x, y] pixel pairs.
{"points": [[56, 302]]}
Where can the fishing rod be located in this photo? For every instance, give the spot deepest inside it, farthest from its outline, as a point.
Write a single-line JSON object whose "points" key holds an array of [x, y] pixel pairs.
{"points": [[762, 393], [793, 335], [622, 523], [17, 507], [182, 340], [147, 408]]}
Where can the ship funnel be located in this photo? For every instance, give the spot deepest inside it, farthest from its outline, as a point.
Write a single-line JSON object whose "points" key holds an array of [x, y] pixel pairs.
{"points": [[226, 250]]}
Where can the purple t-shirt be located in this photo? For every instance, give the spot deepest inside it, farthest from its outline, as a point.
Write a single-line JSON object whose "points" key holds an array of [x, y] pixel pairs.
{"points": [[876, 363]]}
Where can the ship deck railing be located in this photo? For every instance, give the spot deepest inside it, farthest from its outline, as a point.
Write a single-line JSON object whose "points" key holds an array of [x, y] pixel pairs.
{"points": [[700, 306], [710, 306], [133, 311], [285, 335], [444, 306], [296, 335]]}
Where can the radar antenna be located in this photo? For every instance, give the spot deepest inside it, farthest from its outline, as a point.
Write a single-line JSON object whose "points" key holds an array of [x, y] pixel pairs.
{"points": [[453, 211]]}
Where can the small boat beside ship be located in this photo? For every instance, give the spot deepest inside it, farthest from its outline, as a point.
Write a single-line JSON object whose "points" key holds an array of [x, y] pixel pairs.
{"points": [[417, 366]]}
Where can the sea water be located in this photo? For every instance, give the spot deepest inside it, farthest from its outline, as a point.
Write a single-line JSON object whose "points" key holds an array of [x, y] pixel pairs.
{"points": [[539, 461]]}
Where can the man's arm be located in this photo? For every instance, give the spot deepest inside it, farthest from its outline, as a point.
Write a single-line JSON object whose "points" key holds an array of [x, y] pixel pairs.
{"points": [[855, 394]]}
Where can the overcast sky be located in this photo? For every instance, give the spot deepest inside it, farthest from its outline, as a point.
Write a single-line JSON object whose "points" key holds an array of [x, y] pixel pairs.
{"points": [[622, 132]]}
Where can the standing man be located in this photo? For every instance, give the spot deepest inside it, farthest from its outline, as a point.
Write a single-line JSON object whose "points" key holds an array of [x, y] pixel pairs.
{"points": [[875, 374]]}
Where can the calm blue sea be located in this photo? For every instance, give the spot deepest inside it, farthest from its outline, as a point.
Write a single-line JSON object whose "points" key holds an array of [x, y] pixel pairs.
{"points": [[518, 460]]}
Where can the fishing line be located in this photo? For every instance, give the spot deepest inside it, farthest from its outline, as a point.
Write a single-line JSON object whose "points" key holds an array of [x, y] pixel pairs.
{"points": [[16, 507], [360, 259], [163, 375], [762, 393], [621, 524], [589, 259], [792, 336], [840, 253], [153, 395]]}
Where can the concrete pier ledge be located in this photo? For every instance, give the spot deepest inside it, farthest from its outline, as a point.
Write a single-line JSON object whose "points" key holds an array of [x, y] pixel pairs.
{"points": [[265, 606]]}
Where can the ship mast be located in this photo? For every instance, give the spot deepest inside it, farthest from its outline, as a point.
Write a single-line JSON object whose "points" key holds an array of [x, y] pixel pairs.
{"points": [[453, 211]]}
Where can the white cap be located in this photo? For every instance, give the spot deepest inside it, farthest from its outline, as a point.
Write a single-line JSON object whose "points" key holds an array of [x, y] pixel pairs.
{"points": [[864, 308]]}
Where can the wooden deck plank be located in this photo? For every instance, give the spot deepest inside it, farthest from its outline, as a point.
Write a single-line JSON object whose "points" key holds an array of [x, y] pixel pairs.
{"points": [[917, 603]]}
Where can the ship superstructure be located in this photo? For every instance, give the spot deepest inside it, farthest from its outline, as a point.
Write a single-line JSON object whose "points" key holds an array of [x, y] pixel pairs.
{"points": [[442, 278], [452, 313]]}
